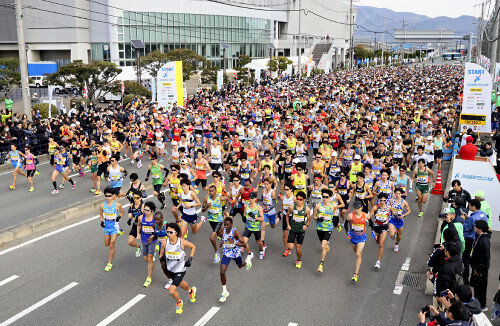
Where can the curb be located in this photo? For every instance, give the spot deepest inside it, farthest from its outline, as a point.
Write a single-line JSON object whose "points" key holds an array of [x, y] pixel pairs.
{"points": [[54, 218]]}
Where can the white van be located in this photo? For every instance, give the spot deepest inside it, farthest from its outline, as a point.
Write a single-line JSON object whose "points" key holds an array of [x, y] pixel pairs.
{"points": [[37, 81]]}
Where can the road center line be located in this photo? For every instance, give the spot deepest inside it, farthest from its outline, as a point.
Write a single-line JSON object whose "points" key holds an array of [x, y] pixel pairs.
{"points": [[206, 317], [293, 324], [7, 280], [120, 311], [38, 304], [62, 230]]}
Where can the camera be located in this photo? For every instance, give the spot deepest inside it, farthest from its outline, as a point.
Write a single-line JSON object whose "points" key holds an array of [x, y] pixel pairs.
{"points": [[425, 310]]}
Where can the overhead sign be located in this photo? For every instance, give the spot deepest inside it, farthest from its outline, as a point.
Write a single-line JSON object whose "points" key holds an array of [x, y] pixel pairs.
{"points": [[479, 175], [473, 119], [170, 85], [477, 97]]}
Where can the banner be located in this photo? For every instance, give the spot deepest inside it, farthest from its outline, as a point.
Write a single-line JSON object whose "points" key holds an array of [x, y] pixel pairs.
{"points": [[153, 90], [308, 70], [257, 75], [220, 79], [50, 90], [479, 175], [289, 69], [327, 68], [122, 85], [85, 91], [477, 98], [170, 86]]}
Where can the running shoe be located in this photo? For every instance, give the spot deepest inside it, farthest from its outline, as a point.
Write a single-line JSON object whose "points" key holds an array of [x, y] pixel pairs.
{"points": [[262, 254], [396, 248], [138, 252], [162, 205], [421, 214], [217, 258], [97, 192], [223, 296], [178, 307], [32, 189], [186, 235], [354, 277], [327, 248], [131, 161], [160, 160], [204, 218], [83, 174], [286, 253], [248, 266], [61, 186], [37, 173], [484, 309], [320, 268], [279, 195], [407, 169], [92, 190], [169, 283], [339, 228], [54, 192], [139, 165], [192, 295], [377, 265], [157, 248], [74, 185], [108, 267], [298, 264], [120, 232], [147, 283], [12, 187]]}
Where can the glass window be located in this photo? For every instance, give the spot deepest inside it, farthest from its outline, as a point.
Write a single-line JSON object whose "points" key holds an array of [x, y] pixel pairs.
{"points": [[120, 37], [128, 51], [133, 19], [120, 46], [122, 63], [120, 29], [146, 37], [198, 20], [121, 55], [146, 19], [120, 20], [139, 18]]}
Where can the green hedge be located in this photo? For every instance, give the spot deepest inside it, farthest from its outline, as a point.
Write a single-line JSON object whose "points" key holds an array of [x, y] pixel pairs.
{"points": [[132, 87], [44, 109], [128, 99]]}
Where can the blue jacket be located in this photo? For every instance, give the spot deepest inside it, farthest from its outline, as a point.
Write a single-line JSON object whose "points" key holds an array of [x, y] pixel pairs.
{"points": [[469, 232]]}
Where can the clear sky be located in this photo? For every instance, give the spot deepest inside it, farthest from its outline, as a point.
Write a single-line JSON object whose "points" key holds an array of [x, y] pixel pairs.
{"points": [[431, 8]]}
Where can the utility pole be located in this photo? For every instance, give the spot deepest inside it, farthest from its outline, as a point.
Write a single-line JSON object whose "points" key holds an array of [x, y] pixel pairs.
{"points": [[480, 34], [383, 37], [494, 45], [351, 41], [299, 61], [23, 60]]}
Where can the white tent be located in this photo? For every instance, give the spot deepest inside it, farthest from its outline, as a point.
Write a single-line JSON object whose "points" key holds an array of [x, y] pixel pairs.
{"points": [[262, 63], [130, 73]]}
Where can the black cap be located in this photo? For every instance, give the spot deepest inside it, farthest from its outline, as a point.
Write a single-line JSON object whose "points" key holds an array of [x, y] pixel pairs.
{"points": [[357, 204], [252, 195]]}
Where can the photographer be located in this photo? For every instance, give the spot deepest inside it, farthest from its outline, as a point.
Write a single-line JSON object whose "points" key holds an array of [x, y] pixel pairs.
{"points": [[445, 278], [455, 315], [463, 293]]}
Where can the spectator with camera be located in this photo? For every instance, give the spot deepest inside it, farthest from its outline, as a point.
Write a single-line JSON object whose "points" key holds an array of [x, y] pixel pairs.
{"points": [[445, 277], [455, 315]]}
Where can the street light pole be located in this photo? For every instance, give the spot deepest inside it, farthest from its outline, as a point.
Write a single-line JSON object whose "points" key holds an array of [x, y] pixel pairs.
{"points": [[23, 60], [299, 61], [351, 41], [223, 62]]}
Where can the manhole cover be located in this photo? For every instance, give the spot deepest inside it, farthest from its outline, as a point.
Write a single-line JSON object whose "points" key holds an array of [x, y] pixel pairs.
{"points": [[414, 280]]}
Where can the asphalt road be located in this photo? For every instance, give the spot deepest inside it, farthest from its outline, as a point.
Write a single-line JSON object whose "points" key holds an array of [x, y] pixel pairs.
{"points": [[272, 292]]}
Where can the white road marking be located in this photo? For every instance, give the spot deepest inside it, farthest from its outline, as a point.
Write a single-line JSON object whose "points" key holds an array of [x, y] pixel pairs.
{"points": [[62, 230], [398, 290], [293, 324], [38, 304], [7, 280], [10, 172], [206, 317], [120, 311]]}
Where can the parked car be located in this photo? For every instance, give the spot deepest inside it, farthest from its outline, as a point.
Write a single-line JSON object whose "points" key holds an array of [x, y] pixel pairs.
{"points": [[37, 81], [68, 89]]}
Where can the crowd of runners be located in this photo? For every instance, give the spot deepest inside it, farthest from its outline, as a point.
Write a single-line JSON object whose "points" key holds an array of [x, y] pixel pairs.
{"points": [[345, 151]]}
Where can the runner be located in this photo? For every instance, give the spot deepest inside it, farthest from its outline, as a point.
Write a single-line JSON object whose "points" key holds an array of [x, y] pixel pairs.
{"points": [[188, 201], [110, 214], [59, 161], [268, 200], [362, 191], [30, 161], [229, 236], [324, 214], [345, 189], [400, 209], [402, 181], [146, 228], [421, 174], [134, 212], [155, 169], [172, 254], [355, 226], [254, 216], [288, 201], [298, 221], [15, 159], [212, 203], [174, 183], [116, 174], [381, 212], [201, 170]]}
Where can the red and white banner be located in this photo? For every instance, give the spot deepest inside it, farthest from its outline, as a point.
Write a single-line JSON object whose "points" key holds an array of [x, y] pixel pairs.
{"points": [[85, 91], [199, 79], [122, 84], [235, 75]]}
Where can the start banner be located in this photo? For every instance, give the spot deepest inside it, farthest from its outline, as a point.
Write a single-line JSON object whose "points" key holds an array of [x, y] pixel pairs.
{"points": [[476, 98]]}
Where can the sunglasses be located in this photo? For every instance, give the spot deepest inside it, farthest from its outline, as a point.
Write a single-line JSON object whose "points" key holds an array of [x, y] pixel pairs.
{"points": [[216, 176], [183, 164], [147, 210], [342, 175], [137, 197], [170, 232], [267, 155], [300, 170], [287, 189], [382, 199], [300, 199], [326, 197], [108, 196]]}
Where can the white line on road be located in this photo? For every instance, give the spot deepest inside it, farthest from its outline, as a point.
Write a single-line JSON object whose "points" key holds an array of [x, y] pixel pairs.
{"points": [[38, 304], [7, 280], [120, 311], [62, 230], [293, 324], [207, 316], [13, 170]]}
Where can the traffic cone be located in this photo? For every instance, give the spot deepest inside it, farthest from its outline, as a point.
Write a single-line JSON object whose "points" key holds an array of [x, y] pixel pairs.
{"points": [[438, 190]]}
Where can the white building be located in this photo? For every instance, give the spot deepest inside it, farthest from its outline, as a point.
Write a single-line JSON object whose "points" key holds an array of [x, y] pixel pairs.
{"points": [[66, 30]]}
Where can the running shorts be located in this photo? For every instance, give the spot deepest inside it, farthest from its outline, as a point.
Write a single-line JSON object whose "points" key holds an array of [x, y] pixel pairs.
{"points": [[423, 189], [355, 239], [324, 235], [30, 173], [226, 260], [191, 219], [215, 226], [397, 222], [247, 234], [270, 218], [296, 236], [379, 229], [148, 248]]}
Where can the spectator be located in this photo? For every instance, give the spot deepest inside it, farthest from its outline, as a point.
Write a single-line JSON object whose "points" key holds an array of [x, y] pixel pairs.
{"points": [[470, 234], [485, 207], [469, 150], [445, 278], [457, 190], [455, 315], [480, 262], [463, 293], [454, 223]]}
